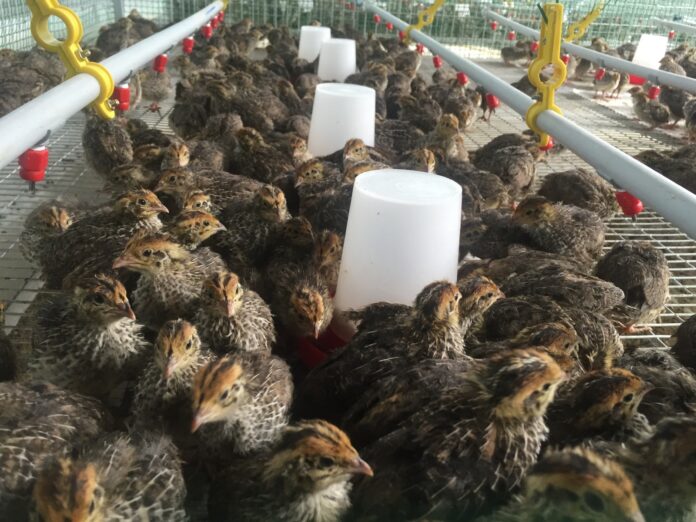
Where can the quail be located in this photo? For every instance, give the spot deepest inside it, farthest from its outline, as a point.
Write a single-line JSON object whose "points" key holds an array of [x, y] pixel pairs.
{"points": [[171, 277], [8, 354], [245, 397], [606, 84], [649, 111], [193, 227], [642, 272], [304, 477], [514, 165], [581, 188], [446, 141], [88, 340], [117, 477], [233, 318], [684, 343], [106, 144], [42, 228], [468, 448]]}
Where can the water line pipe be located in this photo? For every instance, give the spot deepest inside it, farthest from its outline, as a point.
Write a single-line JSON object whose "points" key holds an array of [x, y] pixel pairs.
{"points": [[678, 26]]}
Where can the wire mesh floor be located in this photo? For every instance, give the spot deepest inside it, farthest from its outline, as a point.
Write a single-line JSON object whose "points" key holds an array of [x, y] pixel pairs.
{"points": [[67, 176]]}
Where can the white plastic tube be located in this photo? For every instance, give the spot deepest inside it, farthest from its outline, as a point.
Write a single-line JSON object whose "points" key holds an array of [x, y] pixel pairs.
{"points": [[24, 127], [672, 201], [402, 234], [653, 75]]}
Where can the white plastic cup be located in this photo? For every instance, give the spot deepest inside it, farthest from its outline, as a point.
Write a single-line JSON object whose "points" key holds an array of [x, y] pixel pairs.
{"points": [[403, 233], [311, 40], [336, 59], [341, 112]]}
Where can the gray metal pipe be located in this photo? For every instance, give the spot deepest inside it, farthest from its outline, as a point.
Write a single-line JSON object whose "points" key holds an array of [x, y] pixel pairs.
{"points": [[26, 126], [653, 75], [672, 201], [684, 28]]}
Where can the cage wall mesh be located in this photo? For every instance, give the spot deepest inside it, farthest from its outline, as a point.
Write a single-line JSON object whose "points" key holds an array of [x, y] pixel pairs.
{"points": [[458, 22]]}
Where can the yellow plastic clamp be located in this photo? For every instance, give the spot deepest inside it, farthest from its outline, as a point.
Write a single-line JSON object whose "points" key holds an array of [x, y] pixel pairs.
{"points": [[425, 17], [69, 50], [577, 29], [549, 54]]}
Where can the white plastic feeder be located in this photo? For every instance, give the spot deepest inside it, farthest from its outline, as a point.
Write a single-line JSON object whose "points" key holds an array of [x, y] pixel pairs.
{"points": [[403, 233], [337, 59], [341, 112], [311, 40]]}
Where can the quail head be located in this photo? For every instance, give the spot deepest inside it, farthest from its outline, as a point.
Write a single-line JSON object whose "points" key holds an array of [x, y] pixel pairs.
{"points": [[39, 421], [642, 272], [130, 176], [87, 340], [42, 228], [246, 397], [193, 227], [305, 477], [165, 387], [599, 405], [327, 257], [478, 295], [574, 485], [446, 141], [200, 201], [560, 229], [115, 478], [232, 318], [171, 277], [684, 343], [469, 448]]}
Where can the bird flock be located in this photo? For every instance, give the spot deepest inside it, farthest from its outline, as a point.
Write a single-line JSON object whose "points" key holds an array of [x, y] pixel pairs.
{"points": [[165, 380]]}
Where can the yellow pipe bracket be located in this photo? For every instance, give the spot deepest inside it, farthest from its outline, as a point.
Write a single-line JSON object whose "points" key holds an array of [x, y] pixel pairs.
{"points": [[425, 17], [576, 30], [549, 54], [69, 50]]}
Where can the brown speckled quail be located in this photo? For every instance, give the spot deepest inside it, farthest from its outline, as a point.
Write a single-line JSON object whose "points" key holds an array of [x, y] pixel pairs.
{"points": [[42, 228], [582, 188], [667, 491], [446, 141], [515, 166], [88, 340], [130, 176], [642, 272], [245, 397], [599, 405], [305, 477], [569, 288], [399, 136], [422, 112], [106, 144], [468, 448], [193, 227], [156, 87], [8, 354], [494, 192], [164, 389], [561, 229], [573, 485], [117, 477], [464, 108], [649, 111], [232, 318], [39, 421], [389, 338], [684, 343], [171, 277]]}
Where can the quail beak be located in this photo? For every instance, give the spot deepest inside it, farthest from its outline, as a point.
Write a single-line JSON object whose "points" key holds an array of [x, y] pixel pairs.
{"points": [[360, 467], [160, 208], [127, 311], [124, 261], [171, 366], [317, 330], [199, 419], [229, 308], [220, 227], [636, 517]]}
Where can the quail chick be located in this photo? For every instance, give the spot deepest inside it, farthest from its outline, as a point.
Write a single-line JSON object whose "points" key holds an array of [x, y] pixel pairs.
{"points": [[560, 229], [118, 477], [675, 100], [397, 135], [88, 340], [305, 477], [690, 120], [171, 277], [106, 144], [581, 188], [494, 193], [424, 113], [667, 63], [464, 108], [666, 491], [193, 227], [390, 337], [42, 228], [569, 288], [164, 389], [574, 485], [515, 166], [649, 111], [684, 343], [495, 416], [232, 318], [39, 421], [520, 52], [607, 84], [599, 405], [446, 142], [156, 87], [642, 272], [8, 355], [246, 398]]}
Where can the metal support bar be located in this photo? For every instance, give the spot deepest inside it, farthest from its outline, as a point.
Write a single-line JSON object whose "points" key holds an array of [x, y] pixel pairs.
{"points": [[684, 28], [32, 122], [674, 202], [653, 75]]}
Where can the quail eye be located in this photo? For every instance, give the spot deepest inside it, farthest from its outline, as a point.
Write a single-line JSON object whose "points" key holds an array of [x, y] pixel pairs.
{"points": [[142, 202], [172, 179], [92, 507], [594, 501], [546, 386], [147, 253], [189, 344], [206, 223], [99, 299], [489, 295], [224, 395], [628, 398], [325, 462]]}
